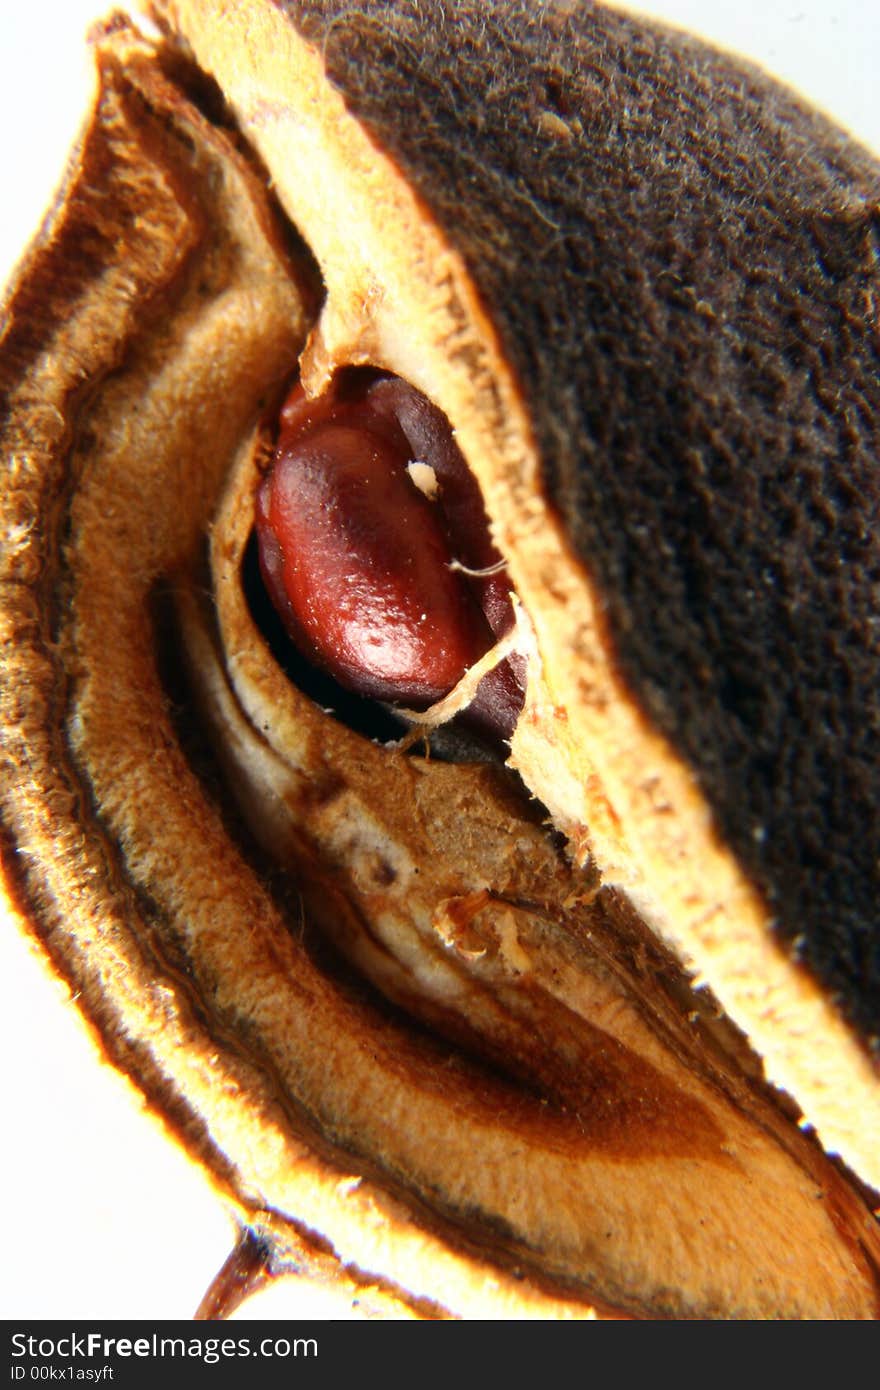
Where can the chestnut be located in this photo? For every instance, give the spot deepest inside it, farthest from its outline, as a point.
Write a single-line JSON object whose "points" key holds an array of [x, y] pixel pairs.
{"points": [[470, 1034], [374, 546]]}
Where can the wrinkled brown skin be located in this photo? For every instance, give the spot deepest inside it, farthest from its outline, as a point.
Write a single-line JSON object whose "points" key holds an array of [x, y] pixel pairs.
{"points": [[100, 780]]}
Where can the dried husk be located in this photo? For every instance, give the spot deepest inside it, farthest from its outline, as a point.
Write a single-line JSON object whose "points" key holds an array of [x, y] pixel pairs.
{"points": [[410, 1036]]}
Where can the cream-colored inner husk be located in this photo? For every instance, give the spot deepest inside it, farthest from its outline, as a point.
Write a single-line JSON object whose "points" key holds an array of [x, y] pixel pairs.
{"points": [[399, 298]]}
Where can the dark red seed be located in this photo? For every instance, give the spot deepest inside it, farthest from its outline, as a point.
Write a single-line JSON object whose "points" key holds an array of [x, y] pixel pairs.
{"points": [[358, 561]]}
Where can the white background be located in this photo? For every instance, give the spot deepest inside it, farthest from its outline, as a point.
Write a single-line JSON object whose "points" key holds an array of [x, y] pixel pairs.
{"points": [[104, 1218]]}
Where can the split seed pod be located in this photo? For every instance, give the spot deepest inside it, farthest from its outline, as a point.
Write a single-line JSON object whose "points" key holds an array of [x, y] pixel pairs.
{"points": [[435, 1022]]}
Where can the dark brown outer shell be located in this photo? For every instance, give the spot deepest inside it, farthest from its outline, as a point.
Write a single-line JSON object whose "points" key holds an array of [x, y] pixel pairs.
{"points": [[681, 260]]}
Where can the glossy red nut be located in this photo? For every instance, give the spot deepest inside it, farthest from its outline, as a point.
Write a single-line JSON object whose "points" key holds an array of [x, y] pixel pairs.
{"points": [[360, 522]]}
